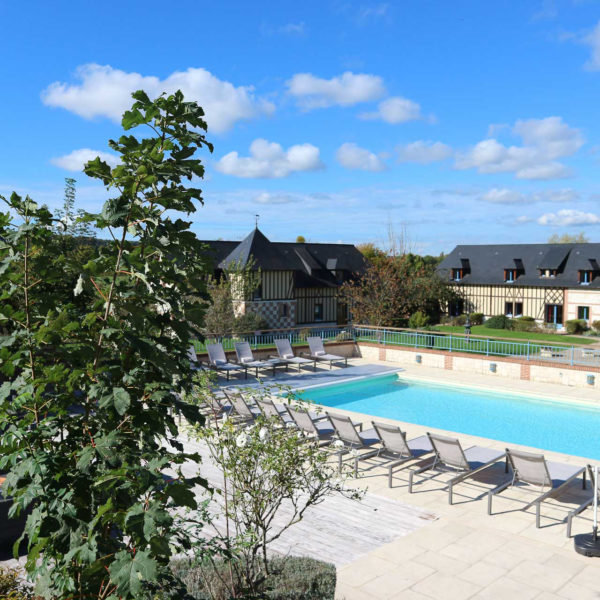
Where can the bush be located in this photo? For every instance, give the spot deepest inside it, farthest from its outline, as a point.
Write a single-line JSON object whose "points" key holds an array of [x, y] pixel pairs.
{"points": [[576, 326], [12, 586], [460, 320], [524, 324], [499, 322], [304, 334], [596, 325], [344, 336], [249, 323], [293, 578], [418, 320], [476, 318]]}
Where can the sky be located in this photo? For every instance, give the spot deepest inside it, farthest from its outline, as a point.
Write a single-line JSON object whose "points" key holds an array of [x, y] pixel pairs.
{"points": [[454, 122]]}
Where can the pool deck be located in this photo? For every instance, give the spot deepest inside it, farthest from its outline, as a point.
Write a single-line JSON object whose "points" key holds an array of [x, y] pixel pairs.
{"points": [[465, 553]]}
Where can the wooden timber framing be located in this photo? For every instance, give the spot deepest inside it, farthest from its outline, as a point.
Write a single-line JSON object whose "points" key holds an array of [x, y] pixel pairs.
{"points": [[491, 299]]}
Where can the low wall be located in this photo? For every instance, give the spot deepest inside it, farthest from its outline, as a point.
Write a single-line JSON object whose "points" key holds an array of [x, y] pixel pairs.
{"points": [[512, 368]]}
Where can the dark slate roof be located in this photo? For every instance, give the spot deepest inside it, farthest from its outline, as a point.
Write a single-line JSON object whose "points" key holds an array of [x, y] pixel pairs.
{"points": [[312, 262], [486, 263]]}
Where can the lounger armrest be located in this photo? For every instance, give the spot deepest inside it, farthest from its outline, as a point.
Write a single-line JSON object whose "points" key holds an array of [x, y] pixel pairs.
{"points": [[497, 490]]}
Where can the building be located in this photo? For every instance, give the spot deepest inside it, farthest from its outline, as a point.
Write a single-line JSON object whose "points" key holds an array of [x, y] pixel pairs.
{"points": [[552, 283], [299, 282]]}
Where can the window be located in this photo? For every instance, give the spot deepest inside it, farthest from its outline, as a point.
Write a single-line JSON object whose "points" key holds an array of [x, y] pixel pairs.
{"points": [[583, 312], [585, 277], [510, 275], [513, 309], [456, 308], [457, 274], [283, 310], [257, 293], [319, 311], [548, 273]]}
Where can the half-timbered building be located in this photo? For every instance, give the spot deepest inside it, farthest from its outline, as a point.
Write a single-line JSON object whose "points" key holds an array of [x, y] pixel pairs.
{"points": [[299, 282], [552, 283]]}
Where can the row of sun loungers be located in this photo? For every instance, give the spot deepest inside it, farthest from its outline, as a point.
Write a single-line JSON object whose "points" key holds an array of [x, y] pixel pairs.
{"points": [[217, 359], [430, 452]]}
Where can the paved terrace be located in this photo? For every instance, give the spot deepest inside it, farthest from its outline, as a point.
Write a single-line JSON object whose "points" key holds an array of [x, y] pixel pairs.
{"points": [[465, 553]]}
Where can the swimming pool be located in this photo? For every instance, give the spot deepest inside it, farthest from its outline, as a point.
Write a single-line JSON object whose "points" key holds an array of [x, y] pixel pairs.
{"points": [[546, 424]]}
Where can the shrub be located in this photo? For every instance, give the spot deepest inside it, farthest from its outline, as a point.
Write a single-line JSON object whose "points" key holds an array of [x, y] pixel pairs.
{"points": [[12, 586], [460, 320], [343, 336], [476, 318], [304, 334], [498, 322], [293, 578], [248, 323], [418, 320], [576, 326], [596, 325], [524, 324]]}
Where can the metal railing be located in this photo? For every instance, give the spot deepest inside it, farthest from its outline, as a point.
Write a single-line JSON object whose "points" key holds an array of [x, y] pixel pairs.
{"points": [[529, 350], [266, 339]]}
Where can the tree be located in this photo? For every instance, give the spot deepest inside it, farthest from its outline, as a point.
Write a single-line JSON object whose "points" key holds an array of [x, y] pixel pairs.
{"points": [[87, 402], [392, 288], [300, 239], [71, 221], [371, 252], [568, 238]]}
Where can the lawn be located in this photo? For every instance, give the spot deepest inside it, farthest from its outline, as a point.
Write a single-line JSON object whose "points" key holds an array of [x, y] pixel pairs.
{"points": [[552, 338]]}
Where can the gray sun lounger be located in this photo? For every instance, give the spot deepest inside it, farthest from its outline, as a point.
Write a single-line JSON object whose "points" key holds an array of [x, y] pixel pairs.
{"points": [[534, 469], [317, 352], [242, 408], [286, 354], [398, 449], [270, 409], [322, 429], [354, 440], [246, 359], [193, 357], [584, 505], [449, 453], [218, 361]]}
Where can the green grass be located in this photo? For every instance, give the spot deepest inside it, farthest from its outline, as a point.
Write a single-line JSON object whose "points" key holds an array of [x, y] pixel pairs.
{"points": [[552, 338]]}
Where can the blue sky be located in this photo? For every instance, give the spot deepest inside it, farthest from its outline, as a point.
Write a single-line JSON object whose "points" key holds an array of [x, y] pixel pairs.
{"points": [[459, 122]]}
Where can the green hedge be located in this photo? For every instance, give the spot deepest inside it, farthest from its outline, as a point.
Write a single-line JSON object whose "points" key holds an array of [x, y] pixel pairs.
{"points": [[498, 322], [576, 326], [524, 324], [292, 578]]}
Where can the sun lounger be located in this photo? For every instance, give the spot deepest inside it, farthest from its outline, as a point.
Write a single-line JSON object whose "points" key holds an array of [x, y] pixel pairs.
{"points": [[242, 408], [585, 504], [246, 359], [317, 352], [449, 453], [398, 448], [354, 440], [270, 409], [193, 357], [286, 354], [218, 361], [534, 469], [322, 429]]}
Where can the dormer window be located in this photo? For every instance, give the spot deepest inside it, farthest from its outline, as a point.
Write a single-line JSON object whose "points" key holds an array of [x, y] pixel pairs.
{"points": [[457, 274], [585, 277], [510, 275], [548, 273]]}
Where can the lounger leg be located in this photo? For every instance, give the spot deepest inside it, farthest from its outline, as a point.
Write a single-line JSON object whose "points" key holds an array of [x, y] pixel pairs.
{"points": [[390, 477], [583, 483], [538, 510], [450, 488]]}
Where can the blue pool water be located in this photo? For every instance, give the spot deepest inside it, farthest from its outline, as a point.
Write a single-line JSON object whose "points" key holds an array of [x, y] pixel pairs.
{"points": [[549, 425]]}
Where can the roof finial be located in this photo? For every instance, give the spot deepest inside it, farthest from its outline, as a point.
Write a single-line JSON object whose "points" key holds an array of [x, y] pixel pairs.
{"points": [[256, 217]]}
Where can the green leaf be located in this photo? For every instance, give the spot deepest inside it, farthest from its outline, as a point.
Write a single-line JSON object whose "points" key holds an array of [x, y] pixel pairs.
{"points": [[122, 400], [128, 572]]}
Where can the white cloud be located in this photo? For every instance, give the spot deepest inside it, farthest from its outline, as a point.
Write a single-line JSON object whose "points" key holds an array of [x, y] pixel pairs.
{"points": [[593, 41], [103, 91], [509, 196], [344, 90], [424, 152], [395, 110], [352, 156], [76, 159], [270, 160], [274, 198], [544, 141], [568, 217], [523, 219], [502, 196]]}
